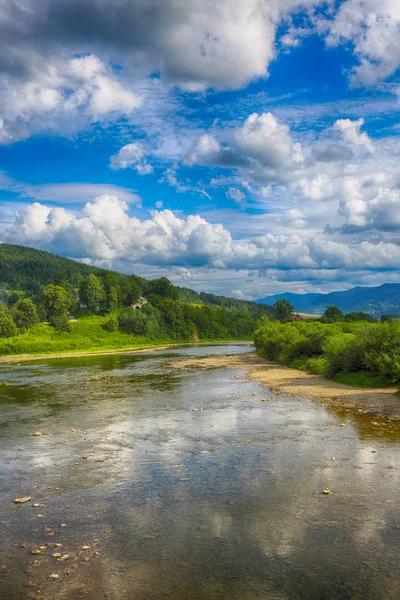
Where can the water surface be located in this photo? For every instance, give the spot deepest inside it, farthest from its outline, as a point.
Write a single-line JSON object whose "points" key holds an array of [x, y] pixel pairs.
{"points": [[197, 485]]}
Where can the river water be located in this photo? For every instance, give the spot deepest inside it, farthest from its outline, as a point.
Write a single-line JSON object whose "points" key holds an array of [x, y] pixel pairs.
{"points": [[196, 486]]}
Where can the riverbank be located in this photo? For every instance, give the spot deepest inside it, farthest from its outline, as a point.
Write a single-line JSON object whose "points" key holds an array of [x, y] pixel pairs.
{"points": [[293, 382], [19, 358]]}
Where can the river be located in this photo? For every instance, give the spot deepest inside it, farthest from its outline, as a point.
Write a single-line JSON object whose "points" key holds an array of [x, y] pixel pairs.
{"points": [[166, 484]]}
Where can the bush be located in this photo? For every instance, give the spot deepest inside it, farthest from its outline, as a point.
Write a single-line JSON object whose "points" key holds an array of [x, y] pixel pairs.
{"points": [[60, 323], [7, 325], [111, 324], [318, 366]]}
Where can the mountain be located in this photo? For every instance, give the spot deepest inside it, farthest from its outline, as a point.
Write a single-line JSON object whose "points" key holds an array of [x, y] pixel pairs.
{"points": [[373, 300]]}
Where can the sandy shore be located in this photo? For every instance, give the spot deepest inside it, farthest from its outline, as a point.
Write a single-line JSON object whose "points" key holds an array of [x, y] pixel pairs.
{"points": [[297, 383], [18, 358]]}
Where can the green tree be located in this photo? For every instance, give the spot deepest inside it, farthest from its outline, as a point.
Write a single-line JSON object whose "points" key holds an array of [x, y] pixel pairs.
{"points": [[163, 287], [12, 299], [7, 325], [25, 314], [283, 310], [56, 303], [129, 291], [91, 292], [385, 318], [333, 313]]}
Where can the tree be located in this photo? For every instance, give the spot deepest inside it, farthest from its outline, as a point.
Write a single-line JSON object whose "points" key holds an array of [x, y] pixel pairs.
{"points": [[129, 291], [333, 313], [12, 299], [283, 310], [385, 318], [7, 325], [56, 302], [25, 314], [163, 287], [91, 292]]}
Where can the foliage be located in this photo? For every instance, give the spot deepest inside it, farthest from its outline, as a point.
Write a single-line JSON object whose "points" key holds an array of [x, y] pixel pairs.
{"points": [[7, 325], [25, 314], [56, 302], [92, 292], [283, 310], [333, 313], [342, 347]]}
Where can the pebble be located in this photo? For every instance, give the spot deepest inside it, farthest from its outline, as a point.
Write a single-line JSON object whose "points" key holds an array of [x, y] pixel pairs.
{"points": [[40, 517], [326, 492], [85, 547], [22, 500], [63, 525], [37, 434], [54, 576]]}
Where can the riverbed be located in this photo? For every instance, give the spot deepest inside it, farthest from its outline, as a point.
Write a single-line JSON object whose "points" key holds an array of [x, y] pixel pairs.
{"points": [[157, 482]]}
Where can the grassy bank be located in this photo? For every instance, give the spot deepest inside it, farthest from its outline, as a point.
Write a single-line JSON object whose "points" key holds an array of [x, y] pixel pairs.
{"points": [[87, 335]]}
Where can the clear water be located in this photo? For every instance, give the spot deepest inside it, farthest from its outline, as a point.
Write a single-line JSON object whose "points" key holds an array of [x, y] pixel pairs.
{"points": [[223, 503]]}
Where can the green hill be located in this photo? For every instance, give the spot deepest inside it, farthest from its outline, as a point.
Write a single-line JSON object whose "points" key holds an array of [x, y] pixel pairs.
{"points": [[24, 268]]}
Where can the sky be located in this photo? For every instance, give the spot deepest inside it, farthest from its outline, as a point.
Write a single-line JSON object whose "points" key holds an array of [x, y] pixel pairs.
{"points": [[241, 147]]}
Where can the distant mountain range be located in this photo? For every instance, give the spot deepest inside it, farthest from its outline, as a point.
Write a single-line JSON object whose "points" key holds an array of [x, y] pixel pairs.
{"points": [[384, 299]]}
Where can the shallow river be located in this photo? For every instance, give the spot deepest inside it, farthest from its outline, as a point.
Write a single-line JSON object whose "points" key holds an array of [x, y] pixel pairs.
{"points": [[174, 502]]}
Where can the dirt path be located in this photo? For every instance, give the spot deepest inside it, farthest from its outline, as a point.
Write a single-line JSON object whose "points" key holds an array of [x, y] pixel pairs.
{"points": [[297, 383]]}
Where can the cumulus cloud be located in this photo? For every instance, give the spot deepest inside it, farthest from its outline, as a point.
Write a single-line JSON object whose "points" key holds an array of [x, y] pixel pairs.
{"points": [[262, 147], [106, 232], [62, 98], [131, 156], [194, 44], [373, 28], [351, 132]]}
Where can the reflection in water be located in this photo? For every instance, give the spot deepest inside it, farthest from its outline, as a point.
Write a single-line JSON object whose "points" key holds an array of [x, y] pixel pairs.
{"points": [[196, 486]]}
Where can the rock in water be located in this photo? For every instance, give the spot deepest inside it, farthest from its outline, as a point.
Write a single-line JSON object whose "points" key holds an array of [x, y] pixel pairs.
{"points": [[22, 500]]}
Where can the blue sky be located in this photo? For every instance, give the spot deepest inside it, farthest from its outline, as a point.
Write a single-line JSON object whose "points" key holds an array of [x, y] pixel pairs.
{"points": [[245, 148]]}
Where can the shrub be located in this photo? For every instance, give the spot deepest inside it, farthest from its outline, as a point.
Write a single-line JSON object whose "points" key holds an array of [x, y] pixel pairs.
{"points": [[7, 325], [111, 324]]}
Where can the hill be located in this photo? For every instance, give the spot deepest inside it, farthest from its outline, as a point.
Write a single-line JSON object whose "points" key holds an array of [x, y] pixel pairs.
{"points": [[24, 268], [376, 301], [20, 266]]}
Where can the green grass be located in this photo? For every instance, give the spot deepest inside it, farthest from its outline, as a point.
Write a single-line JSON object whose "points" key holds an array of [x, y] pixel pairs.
{"points": [[363, 380], [87, 335]]}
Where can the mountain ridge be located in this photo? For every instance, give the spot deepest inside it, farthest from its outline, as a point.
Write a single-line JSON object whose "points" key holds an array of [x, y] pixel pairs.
{"points": [[383, 299]]}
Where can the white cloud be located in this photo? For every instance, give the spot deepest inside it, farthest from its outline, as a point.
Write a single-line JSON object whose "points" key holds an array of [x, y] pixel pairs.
{"points": [[241, 295], [373, 27], [105, 232], [267, 141], [75, 193], [236, 195], [133, 156], [262, 148], [196, 45], [351, 132], [63, 98]]}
